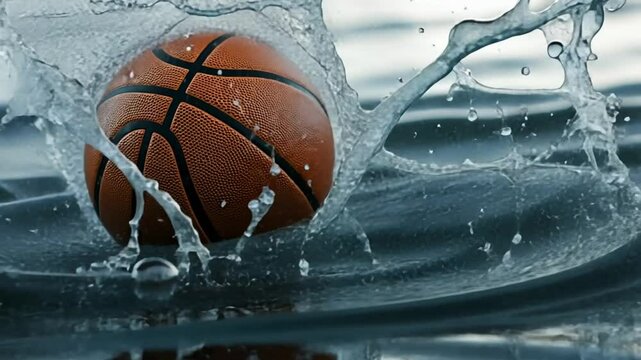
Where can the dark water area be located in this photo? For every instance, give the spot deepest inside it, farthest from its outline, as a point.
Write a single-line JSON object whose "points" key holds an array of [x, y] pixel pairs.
{"points": [[569, 290]]}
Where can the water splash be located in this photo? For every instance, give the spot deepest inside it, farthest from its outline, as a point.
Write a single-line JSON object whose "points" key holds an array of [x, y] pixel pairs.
{"points": [[66, 105], [259, 208]]}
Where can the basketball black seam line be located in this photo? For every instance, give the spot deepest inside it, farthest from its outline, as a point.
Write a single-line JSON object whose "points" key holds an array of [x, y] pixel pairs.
{"points": [[183, 169], [145, 144], [171, 112], [228, 120], [171, 60]]}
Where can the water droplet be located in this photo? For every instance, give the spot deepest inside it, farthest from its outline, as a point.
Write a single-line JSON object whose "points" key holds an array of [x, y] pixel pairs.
{"points": [[430, 151], [507, 258], [626, 119], [472, 115], [154, 270], [188, 48], [223, 204], [592, 57], [468, 162], [414, 135], [471, 228], [449, 98], [400, 79], [421, 30], [487, 248], [33, 231], [525, 71], [219, 72], [555, 49], [7, 219], [613, 105], [236, 102], [309, 183], [275, 169], [306, 167], [303, 266], [156, 278], [131, 74], [506, 131], [517, 239], [614, 5]]}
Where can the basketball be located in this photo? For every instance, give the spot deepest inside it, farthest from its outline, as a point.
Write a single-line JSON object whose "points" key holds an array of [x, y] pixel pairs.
{"points": [[207, 116]]}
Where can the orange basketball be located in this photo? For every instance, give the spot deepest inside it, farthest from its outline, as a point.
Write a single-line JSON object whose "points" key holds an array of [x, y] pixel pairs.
{"points": [[205, 115]]}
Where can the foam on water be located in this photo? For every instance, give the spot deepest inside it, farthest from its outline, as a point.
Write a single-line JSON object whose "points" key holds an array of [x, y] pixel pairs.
{"points": [[63, 96]]}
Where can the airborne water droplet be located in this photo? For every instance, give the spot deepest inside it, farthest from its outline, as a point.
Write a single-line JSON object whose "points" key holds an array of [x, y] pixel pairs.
{"points": [[626, 119], [517, 239], [614, 5], [506, 131], [131, 74], [303, 266], [275, 169], [219, 72], [306, 167], [525, 71], [421, 30], [555, 49], [188, 48], [223, 204], [400, 79], [472, 115]]}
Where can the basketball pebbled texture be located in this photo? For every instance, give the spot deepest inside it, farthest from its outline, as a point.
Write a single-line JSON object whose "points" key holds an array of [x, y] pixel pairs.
{"points": [[206, 116]]}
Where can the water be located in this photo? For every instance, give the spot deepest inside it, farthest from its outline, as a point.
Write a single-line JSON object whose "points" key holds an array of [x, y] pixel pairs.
{"points": [[511, 216]]}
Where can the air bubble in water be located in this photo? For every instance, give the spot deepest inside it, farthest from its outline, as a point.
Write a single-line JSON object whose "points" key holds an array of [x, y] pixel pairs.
{"points": [[525, 71], [517, 239], [506, 131], [614, 5], [472, 115], [555, 49], [303, 266], [156, 278]]}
